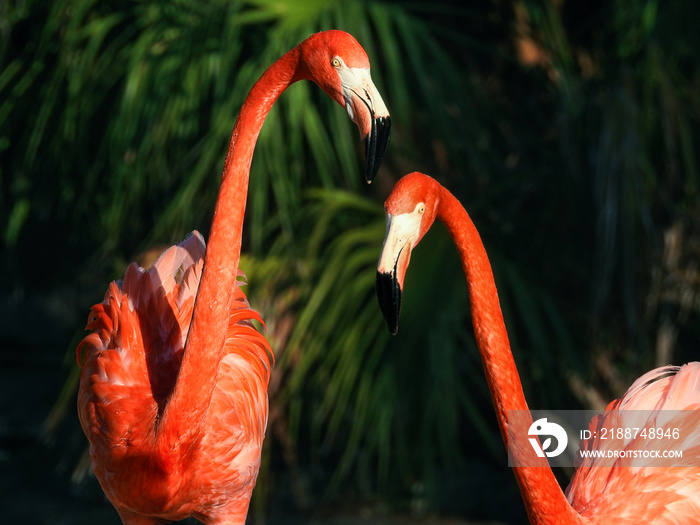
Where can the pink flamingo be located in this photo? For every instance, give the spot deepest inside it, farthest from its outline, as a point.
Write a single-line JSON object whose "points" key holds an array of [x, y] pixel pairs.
{"points": [[173, 389], [601, 491]]}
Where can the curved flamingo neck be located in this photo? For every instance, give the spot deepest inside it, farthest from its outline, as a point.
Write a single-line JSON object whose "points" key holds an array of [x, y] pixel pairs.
{"points": [[183, 416], [544, 500]]}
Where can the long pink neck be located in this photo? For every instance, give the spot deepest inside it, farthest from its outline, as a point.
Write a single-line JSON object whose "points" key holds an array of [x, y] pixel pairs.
{"points": [[184, 413], [543, 497]]}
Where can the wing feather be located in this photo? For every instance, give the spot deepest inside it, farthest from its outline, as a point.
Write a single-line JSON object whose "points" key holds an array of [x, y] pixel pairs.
{"points": [[602, 488]]}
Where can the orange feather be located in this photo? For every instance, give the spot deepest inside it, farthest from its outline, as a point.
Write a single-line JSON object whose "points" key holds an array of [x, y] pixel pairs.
{"points": [[130, 363]]}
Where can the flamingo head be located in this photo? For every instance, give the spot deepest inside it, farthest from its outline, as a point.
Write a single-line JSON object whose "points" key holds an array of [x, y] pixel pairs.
{"points": [[411, 209], [336, 62]]}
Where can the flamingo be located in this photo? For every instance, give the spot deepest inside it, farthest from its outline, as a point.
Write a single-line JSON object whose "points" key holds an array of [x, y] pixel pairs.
{"points": [[601, 491], [173, 387]]}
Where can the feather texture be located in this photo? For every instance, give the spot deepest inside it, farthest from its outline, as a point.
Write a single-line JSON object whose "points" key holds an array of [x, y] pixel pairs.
{"points": [[131, 362], [667, 397]]}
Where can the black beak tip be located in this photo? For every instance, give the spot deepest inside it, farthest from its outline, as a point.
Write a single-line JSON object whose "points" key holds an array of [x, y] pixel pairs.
{"points": [[376, 144], [389, 296]]}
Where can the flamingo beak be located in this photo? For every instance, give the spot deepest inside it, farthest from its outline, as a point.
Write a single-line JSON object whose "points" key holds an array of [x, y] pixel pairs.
{"points": [[389, 289], [393, 262], [366, 109], [375, 146]]}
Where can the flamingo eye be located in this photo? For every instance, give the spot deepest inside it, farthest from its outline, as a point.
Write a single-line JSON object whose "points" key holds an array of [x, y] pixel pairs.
{"points": [[421, 209], [336, 63]]}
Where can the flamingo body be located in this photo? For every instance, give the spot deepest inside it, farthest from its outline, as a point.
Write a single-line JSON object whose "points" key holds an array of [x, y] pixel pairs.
{"points": [[173, 388], [130, 365], [603, 487], [602, 490]]}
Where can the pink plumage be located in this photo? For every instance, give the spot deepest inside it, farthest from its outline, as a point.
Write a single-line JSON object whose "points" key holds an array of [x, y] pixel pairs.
{"points": [[667, 397], [130, 365]]}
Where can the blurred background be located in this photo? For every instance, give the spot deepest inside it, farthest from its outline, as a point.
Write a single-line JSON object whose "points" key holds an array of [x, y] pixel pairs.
{"points": [[567, 128]]}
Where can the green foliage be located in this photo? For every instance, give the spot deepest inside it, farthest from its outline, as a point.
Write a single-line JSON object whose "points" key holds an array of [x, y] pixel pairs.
{"points": [[629, 115]]}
